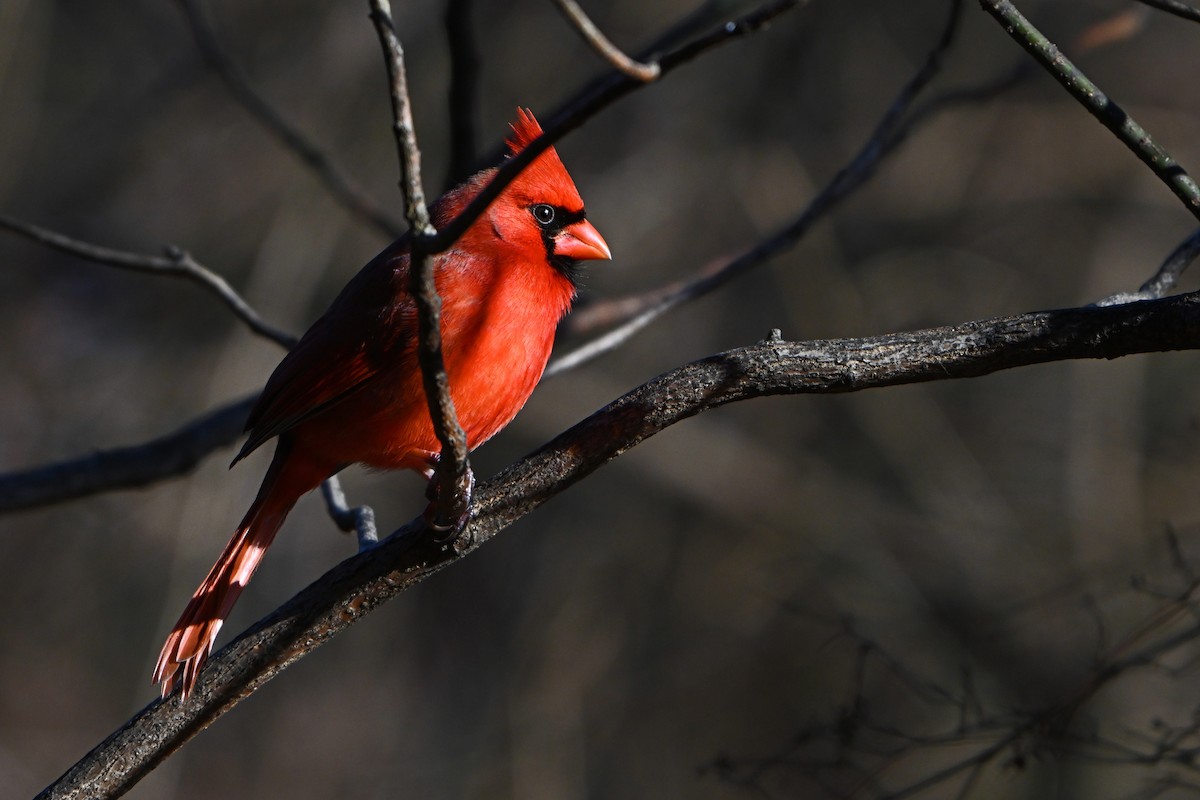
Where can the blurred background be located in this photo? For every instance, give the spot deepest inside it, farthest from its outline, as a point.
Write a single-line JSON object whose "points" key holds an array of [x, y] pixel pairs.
{"points": [[699, 617]]}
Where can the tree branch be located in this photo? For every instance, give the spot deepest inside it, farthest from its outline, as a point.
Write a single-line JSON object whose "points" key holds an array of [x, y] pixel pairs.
{"points": [[175, 454], [1112, 116], [340, 185], [176, 262], [593, 100], [1165, 278], [358, 585], [463, 91], [639, 71], [1175, 7], [888, 134]]}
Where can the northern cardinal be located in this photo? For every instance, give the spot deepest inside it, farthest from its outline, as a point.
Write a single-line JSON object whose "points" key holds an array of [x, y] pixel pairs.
{"points": [[351, 392]]}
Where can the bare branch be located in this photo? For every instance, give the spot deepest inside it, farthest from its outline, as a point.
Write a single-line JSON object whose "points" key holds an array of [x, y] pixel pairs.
{"points": [[592, 101], [353, 588], [1175, 7], [340, 186], [175, 262], [644, 72], [888, 135], [175, 454], [1112, 116], [454, 470], [463, 90], [360, 519], [1167, 276]]}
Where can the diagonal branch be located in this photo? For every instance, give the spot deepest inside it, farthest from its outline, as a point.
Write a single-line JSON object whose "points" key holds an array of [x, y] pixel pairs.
{"points": [[1111, 115], [888, 134], [1165, 278], [346, 593], [1175, 7], [341, 186], [176, 262], [592, 101]]}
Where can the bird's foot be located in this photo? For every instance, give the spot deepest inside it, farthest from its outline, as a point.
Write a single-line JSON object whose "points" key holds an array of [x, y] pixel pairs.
{"points": [[449, 520]]}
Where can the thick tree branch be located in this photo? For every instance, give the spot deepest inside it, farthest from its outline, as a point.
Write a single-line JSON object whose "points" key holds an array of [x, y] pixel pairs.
{"points": [[175, 454], [340, 185], [176, 262], [1112, 116], [353, 588]]}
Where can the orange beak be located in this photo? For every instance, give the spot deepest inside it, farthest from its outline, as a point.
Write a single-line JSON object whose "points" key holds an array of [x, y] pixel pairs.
{"points": [[582, 242]]}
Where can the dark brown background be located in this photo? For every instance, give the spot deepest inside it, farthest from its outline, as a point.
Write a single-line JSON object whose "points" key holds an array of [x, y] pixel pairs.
{"points": [[687, 600]]}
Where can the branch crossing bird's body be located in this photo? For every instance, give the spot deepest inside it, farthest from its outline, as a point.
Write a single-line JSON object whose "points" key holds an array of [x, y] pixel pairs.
{"points": [[351, 390]]}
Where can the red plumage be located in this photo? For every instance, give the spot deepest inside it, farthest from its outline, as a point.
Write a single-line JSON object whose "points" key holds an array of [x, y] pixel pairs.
{"points": [[351, 390]]}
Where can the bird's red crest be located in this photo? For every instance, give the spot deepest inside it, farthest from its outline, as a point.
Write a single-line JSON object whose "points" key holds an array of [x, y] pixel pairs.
{"points": [[546, 178], [525, 130]]}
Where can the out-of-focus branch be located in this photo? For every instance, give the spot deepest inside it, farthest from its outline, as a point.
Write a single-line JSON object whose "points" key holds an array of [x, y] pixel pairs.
{"points": [[644, 72], [888, 134], [454, 478], [626, 316], [126, 467], [175, 262], [1111, 115], [463, 90], [965, 735], [1175, 7], [358, 585], [340, 185]]}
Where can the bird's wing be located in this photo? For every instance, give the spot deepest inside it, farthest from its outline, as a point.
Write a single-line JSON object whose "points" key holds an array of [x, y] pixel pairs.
{"points": [[371, 324]]}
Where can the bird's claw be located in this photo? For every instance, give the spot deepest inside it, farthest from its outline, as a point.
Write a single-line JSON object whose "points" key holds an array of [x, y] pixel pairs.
{"points": [[449, 521]]}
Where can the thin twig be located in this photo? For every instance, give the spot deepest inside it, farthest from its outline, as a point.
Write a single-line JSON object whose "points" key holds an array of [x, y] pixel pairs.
{"points": [[175, 262], [1167, 276], [704, 23], [360, 519], [629, 315], [592, 101], [1112, 116], [453, 470], [1174, 7], [360, 584], [888, 134], [340, 185], [644, 72]]}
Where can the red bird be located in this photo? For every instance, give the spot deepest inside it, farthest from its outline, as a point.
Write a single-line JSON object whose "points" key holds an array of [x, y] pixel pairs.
{"points": [[351, 393]]}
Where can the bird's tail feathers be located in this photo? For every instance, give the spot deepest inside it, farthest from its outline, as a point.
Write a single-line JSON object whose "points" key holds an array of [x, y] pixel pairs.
{"points": [[191, 640]]}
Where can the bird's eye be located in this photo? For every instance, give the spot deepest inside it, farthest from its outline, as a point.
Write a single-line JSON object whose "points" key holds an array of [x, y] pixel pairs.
{"points": [[543, 213]]}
